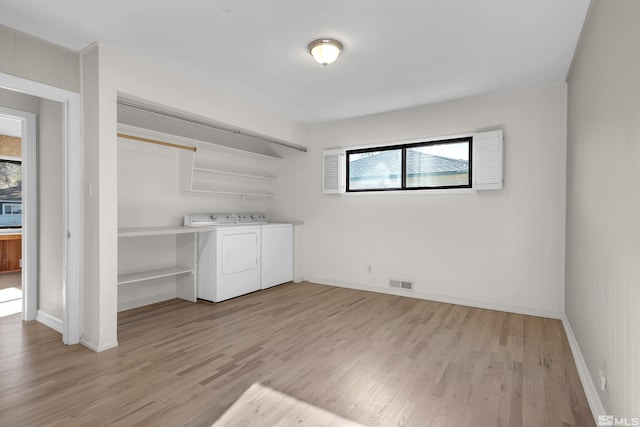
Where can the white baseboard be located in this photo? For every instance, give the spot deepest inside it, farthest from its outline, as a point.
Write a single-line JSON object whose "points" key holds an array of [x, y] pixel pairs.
{"points": [[140, 302], [94, 344], [50, 321], [590, 390], [441, 298]]}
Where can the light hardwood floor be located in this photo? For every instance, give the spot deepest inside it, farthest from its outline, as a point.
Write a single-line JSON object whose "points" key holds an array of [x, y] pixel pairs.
{"points": [[375, 359], [10, 293]]}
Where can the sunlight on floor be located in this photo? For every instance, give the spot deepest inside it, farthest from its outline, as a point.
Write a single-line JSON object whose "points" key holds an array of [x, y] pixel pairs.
{"points": [[10, 301], [261, 405]]}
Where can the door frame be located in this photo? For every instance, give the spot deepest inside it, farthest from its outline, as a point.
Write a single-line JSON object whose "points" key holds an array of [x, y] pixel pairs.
{"points": [[72, 206]]}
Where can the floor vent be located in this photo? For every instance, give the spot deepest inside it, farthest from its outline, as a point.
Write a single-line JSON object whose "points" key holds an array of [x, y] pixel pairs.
{"points": [[401, 284]]}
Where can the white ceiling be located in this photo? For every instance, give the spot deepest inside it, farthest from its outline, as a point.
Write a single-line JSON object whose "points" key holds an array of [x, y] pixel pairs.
{"points": [[397, 54]]}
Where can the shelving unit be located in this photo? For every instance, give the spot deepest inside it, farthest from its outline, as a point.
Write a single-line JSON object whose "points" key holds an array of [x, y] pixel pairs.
{"points": [[140, 248], [152, 274], [227, 171], [241, 175]]}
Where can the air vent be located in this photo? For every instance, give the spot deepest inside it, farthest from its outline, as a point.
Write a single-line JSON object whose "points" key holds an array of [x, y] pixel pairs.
{"points": [[401, 284]]}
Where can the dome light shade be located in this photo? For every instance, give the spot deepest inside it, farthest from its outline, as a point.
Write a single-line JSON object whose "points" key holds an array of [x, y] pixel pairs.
{"points": [[325, 51]]}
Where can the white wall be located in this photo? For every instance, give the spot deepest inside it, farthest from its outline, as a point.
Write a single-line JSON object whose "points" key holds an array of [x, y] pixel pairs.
{"points": [[501, 249], [603, 202], [106, 74]]}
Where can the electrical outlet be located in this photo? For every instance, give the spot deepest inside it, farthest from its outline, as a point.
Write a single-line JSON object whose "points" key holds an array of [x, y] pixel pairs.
{"points": [[603, 381], [369, 269]]}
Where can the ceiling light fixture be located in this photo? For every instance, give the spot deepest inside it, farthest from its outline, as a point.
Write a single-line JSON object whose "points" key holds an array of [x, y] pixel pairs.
{"points": [[325, 51]]}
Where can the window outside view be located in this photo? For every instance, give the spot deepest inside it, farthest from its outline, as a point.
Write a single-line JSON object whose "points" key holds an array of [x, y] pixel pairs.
{"points": [[441, 165], [10, 194], [375, 170], [444, 164]]}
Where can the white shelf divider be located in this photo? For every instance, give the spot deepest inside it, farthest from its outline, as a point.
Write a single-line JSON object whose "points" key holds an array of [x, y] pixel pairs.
{"points": [[153, 274], [238, 174]]}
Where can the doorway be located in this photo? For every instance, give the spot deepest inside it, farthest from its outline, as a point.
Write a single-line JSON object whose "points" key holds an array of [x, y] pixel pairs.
{"points": [[68, 121], [17, 134]]}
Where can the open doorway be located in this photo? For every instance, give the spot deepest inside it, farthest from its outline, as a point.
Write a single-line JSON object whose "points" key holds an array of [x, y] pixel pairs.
{"points": [[13, 140], [55, 303]]}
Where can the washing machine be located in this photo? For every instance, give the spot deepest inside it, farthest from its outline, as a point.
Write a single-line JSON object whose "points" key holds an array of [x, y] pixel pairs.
{"points": [[229, 252]]}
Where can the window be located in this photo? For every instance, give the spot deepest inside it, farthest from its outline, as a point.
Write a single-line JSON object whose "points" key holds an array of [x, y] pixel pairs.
{"points": [[439, 164], [472, 161], [11, 209], [10, 193]]}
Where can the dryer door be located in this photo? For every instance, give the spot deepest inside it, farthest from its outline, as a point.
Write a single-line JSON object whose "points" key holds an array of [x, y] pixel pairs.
{"points": [[238, 262], [239, 252]]}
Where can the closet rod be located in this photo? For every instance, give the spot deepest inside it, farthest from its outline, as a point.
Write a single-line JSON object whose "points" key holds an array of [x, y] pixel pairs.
{"points": [[211, 125], [155, 141]]}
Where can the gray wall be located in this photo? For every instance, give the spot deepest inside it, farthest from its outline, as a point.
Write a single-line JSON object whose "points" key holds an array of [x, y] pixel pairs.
{"points": [[34, 59], [50, 208], [603, 201]]}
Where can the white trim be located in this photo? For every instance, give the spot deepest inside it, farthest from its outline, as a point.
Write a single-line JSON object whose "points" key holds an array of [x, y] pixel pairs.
{"points": [[72, 209], [441, 298], [93, 343], [72, 226], [50, 321], [435, 191], [590, 390]]}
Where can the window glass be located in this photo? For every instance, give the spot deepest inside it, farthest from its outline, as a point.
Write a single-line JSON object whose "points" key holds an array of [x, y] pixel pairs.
{"points": [[438, 165], [412, 166], [10, 193], [375, 170]]}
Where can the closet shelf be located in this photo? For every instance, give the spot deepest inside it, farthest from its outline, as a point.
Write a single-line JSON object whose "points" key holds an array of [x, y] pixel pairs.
{"points": [[205, 147], [231, 192], [237, 174], [152, 274]]}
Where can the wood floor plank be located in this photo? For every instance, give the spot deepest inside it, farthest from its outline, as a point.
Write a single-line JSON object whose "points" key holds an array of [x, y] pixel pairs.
{"points": [[378, 360]]}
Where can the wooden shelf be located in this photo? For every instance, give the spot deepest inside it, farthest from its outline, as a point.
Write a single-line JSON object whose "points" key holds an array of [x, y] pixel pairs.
{"points": [[152, 274]]}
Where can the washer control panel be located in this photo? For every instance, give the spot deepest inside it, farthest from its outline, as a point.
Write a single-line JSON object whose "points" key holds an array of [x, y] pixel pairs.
{"points": [[224, 218]]}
